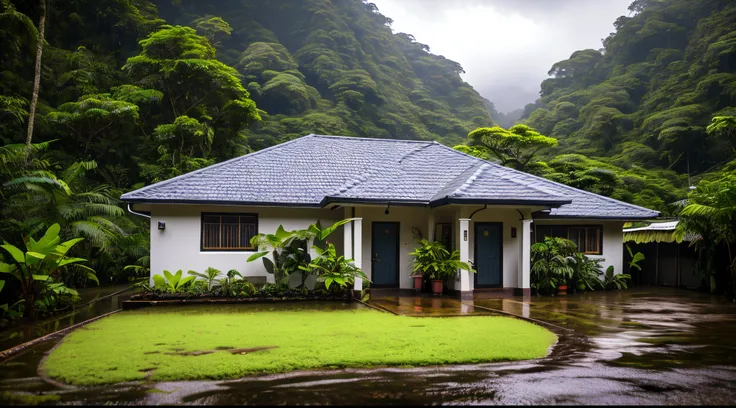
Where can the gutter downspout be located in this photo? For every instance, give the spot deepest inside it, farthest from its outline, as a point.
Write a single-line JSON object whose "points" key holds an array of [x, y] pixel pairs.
{"points": [[480, 209], [137, 213]]}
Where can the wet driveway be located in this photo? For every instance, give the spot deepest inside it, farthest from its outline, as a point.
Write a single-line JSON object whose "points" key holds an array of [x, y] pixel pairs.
{"points": [[641, 346]]}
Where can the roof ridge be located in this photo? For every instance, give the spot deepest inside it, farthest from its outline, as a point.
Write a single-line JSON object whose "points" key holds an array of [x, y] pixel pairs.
{"points": [[234, 159], [373, 139], [443, 193], [471, 179], [552, 182], [413, 151]]}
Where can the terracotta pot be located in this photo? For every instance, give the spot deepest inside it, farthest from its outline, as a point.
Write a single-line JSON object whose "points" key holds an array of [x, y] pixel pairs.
{"points": [[562, 289], [418, 282], [437, 286]]}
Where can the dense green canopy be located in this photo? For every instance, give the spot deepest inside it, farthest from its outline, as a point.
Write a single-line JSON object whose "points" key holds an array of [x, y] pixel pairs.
{"points": [[644, 102]]}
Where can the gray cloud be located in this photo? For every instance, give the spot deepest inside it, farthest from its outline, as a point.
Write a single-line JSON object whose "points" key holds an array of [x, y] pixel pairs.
{"points": [[505, 46]]}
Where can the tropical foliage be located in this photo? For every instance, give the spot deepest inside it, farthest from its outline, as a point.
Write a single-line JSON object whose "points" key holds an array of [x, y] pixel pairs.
{"points": [[615, 281], [515, 147], [333, 269], [39, 271], [434, 261], [331, 273], [635, 258], [556, 262], [550, 265], [289, 249], [100, 97], [633, 119], [586, 273], [172, 283], [711, 214]]}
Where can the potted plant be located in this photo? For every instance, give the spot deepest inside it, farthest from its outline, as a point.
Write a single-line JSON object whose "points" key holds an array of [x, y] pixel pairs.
{"points": [[417, 281], [437, 263], [551, 267]]}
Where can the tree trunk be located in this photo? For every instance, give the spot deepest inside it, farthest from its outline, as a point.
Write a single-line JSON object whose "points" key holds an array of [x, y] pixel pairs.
{"points": [[37, 72]]}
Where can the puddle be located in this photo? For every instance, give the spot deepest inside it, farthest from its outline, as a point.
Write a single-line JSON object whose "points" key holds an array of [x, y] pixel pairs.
{"points": [[650, 346]]}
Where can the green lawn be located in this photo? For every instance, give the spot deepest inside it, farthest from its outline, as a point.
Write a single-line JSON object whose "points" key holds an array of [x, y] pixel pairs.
{"points": [[152, 343]]}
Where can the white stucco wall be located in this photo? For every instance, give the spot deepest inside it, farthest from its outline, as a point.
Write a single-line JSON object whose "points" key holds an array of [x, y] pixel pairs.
{"points": [[178, 246], [613, 240]]}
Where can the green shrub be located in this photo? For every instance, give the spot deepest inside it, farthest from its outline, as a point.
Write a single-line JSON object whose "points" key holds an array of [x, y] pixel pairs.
{"points": [[435, 261], [172, 283], [616, 281], [550, 264], [586, 272]]}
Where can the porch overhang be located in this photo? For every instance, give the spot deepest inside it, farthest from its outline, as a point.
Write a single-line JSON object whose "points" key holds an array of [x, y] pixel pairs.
{"points": [[442, 201], [541, 216], [489, 201]]}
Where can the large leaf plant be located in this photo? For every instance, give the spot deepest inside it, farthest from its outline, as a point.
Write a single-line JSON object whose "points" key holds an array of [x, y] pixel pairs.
{"points": [[289, 248], [40, 265]]}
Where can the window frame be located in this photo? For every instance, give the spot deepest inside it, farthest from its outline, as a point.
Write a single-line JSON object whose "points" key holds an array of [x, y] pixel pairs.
{"points": [[568, 227], [224, 214], [587, 228], [443, 225]]}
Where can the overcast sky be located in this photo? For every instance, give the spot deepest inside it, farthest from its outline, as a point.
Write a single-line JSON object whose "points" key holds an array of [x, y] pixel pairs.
{"points": [[505, 46]]}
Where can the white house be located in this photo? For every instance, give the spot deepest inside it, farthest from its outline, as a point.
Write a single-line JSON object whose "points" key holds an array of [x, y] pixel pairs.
{"points": [[397, 190]]}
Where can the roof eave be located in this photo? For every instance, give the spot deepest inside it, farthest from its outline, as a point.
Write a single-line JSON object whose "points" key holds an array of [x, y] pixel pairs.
{"points": [[534, 203], [219, 202], [543, 216], [353, 200]]}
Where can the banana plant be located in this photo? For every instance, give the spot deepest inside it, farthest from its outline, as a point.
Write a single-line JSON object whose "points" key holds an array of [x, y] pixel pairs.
{"points": [[172, 283], [289, 248], [616, 281], [333, 269], [210, 275], [42, 259], [635, 258]]}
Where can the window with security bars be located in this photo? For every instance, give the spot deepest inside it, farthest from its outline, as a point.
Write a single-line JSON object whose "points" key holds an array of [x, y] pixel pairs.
{"points": [[589, 239], [228, 232]]}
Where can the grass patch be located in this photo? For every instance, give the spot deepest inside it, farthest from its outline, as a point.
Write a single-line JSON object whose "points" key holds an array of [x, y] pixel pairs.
{"points": [[159, 344]]}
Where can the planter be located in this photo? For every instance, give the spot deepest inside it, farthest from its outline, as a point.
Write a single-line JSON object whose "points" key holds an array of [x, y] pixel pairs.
{"points": [[417, 282], [562, 290], [437, 286]]}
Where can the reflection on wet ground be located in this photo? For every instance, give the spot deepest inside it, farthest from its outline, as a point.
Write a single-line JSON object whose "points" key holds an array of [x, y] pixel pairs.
{"points": [[641, 346], [89, 307]]}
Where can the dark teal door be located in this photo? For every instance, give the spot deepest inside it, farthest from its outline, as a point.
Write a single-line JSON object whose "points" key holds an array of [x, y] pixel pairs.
{"points": [[488, 254], [385, 254]]}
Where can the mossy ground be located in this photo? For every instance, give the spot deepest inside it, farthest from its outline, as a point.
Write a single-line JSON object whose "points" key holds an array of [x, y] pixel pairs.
{"points": [[151, 344]]}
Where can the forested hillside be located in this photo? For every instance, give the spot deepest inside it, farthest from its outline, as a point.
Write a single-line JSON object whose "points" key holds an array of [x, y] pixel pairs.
{"points": [[639, 108], [333, 67], [131, 92]]}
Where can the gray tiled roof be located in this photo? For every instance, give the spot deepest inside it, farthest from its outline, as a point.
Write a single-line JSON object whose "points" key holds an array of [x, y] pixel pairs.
{"points": [[315, 170]]}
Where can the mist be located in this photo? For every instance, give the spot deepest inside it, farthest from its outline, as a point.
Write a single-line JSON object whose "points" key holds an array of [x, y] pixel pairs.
{"points": [[505, 46]]}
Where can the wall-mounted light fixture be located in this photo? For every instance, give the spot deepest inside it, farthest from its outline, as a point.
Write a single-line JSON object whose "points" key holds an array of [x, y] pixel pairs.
{"points": [[387, 207], [513, 232], [465, 235], [161, 225]]}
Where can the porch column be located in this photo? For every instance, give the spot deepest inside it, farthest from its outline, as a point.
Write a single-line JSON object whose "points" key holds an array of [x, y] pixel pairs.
{"points": [[464, 253], [347, 239], [524, 278], [358, 249]]}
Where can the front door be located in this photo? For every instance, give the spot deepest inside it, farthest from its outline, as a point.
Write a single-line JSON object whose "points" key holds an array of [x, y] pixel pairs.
{"points": [[385, 254], [488, 254]]}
